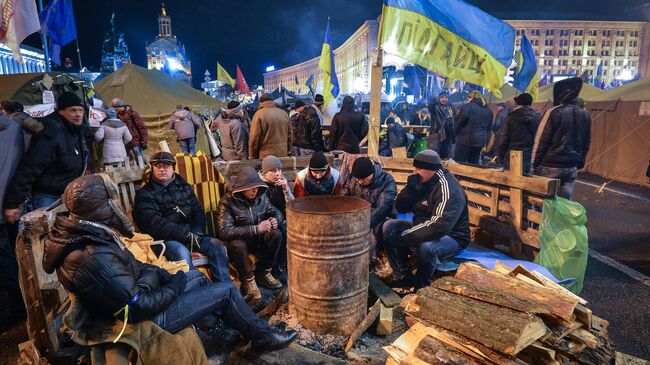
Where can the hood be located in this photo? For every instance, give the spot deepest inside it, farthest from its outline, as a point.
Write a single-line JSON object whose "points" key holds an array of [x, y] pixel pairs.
{"points": [[267, 104], [68, 235], [114, 123], [28, 123], [181, 113], [226, 115], [246, 179], [566, 91], [4, 122], [525, 113]]}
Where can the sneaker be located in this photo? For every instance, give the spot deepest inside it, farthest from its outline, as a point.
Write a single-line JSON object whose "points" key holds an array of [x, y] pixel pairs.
{"points": [[249, 290], [266, 279]]}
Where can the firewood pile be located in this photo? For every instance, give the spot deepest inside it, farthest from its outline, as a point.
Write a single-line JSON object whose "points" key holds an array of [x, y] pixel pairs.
{"points": [[500, 316]]}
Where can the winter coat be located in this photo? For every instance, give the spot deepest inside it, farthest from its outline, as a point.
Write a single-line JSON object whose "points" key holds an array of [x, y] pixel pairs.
{"points": [[56, 156], [270, 132], [420, 120], [473, 124], [115, 135], [380, 194], [518, 132], [136, 127], [347, 130], [238, 217], [499, 118], [105, 276], [168, 212], [439, 208], [234, 137], [307, 130], [30, 126], [396, 136], [306, 184], [277, 195], [11, 150], [442, 125], [185, 123], [565, 138]]}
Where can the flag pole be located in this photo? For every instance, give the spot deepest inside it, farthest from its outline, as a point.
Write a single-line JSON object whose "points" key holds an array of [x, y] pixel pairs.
{"points": [[44, 40], [375, 96]]}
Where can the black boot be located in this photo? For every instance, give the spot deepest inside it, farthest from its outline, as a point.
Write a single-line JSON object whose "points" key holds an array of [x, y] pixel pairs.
{"points": [[274, 341]]}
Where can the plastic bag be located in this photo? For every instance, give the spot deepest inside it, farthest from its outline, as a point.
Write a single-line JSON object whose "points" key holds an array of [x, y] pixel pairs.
{"points": [[564, 241]]}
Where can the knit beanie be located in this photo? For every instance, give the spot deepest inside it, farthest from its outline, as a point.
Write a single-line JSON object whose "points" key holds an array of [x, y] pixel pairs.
{"points": [[269, 163], [524, 99], [318, 162], [68, 99], [111, 113], [427, 160], [362, 168]]}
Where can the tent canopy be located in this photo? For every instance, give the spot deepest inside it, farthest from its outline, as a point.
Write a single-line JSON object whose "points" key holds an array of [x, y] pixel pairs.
{"points": [[507, 93], [634, 91], [153, 93], [588, 93], [27, 89]]}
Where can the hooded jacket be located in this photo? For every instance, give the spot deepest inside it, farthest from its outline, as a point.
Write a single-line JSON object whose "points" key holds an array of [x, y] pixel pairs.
{"points": [[306, 184], [348, 128], [439, 208], [380, 193], [234, 137], [238, 216], [115, 135], [185, 123], [136, 127], [56, 156], [473, 124], [11, 149], [563, 140], [270, 132], [518, 132], [307, 130], [30, 125], [442, 117], [168, 212]]}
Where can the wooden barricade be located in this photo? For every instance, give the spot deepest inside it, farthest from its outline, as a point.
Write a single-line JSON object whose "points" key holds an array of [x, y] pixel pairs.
{"points": [[504, 206], [127, 176]]}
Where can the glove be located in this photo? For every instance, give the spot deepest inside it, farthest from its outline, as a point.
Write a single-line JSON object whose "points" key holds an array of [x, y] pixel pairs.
{"points": [[179, 280], [143, 145]]}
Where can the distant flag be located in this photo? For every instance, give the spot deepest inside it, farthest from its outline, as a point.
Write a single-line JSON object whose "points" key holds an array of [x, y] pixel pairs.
{"points": [[242, 86], [296, 79], [599, 76], [310, 83], [57, 22], [525, 77], [16, 25], [223, 76], [327, 67], [449, 37]]}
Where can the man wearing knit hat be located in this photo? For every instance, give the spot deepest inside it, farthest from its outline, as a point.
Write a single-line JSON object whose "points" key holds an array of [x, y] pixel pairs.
{"points": [[57, 155], [371, 183], [348, 128], [518, 131], [308, 130], [233, 132], [319, 178], [440, 226], [270, 132]]}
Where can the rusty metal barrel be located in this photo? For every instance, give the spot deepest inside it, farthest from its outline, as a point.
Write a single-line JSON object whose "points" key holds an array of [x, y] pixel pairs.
{"points": [[327, 254]]}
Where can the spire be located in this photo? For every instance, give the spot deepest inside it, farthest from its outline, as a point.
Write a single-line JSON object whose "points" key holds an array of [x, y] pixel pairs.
{"points": [[164, 23], [164, 12]]}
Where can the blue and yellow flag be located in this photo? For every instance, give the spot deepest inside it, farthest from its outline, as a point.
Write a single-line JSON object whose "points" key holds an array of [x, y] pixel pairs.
{"points": [[310, 83], [327, 67], [449, 37], [525, 78]]}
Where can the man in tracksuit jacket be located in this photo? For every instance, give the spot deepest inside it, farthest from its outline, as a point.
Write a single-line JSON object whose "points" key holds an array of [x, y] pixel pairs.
{"points": [[440, 227]]}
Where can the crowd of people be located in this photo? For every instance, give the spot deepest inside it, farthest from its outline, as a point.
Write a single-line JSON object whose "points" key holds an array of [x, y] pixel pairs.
{"points": [[48, 159]]}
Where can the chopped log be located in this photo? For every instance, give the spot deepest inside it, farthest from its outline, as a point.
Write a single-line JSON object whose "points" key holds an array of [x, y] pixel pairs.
{"points": [[550, 284], [496, 327], [603, 353], [537, 353], [432, 351], [583, 315], [502, 268], [385, 325], [490, 295], [599, 326], [583, 336], [373, 313], [383, 292], [560, 331], [562, 306]]}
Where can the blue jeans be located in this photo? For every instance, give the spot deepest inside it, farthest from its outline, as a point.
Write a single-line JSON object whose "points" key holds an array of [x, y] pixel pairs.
{"points": [[210, 247], [429, 254], [202, 298], [567, 176], [188, 145], [41, 200]]}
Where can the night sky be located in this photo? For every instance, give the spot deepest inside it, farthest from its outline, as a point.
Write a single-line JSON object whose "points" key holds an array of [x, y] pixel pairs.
{"points": [[255, 33]]}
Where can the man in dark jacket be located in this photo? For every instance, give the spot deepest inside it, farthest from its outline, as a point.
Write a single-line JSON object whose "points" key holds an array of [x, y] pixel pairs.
{"points": [[472, 129], [166, 208], [372, 184], [441, 134], [90, 261], [395, 137], [135, 124], [307, 131], [563, 137], [518, 131], [249, 222], [440, 227], [15, 111], [348, 128], [57, 155]]}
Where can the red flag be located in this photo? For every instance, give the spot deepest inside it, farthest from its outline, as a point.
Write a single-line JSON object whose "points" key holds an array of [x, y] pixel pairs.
{"points": [[242, 86]]}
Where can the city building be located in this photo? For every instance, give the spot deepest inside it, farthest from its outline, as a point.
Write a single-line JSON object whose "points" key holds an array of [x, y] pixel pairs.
{"points": [[167, 53], [562, 47], [115, 51], [34, 60]]}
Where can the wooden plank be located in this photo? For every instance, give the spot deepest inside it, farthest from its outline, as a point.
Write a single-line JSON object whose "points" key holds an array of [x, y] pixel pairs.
{"points": [[562, 306], [483, 220], [548, 283], [537, 353], [499, 328], [387, 296], [399, 152], [625, 359], [494, 201], [583, 315], [516, 200], [125, 176], [385, 324], [583, 336]]}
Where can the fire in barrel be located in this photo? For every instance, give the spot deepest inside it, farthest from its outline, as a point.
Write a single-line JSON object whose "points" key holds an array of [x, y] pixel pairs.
{"points": [[327, 246]]}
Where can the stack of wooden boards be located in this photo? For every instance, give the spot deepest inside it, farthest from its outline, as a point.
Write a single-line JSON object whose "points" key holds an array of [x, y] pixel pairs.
{"points": [[500, 316]]}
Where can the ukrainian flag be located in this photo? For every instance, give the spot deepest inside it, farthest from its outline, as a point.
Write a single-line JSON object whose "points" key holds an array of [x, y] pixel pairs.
{"points": [[327, 67], [525, 78], [223, 76], [449, 37]]}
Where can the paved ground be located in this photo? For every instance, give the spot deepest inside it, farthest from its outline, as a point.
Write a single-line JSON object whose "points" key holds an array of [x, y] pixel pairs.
{"points": [[619, 228]]}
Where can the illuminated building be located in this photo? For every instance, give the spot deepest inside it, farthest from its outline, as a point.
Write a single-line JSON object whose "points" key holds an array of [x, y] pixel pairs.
{"points": [[167, 53], [34, 61]]}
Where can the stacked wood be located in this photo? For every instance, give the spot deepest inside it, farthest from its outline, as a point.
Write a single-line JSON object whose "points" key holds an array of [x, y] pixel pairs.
{"points": [[500, 316]]}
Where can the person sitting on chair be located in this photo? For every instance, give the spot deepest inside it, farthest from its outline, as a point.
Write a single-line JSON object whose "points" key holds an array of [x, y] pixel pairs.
{"points": [[319, 178]]}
